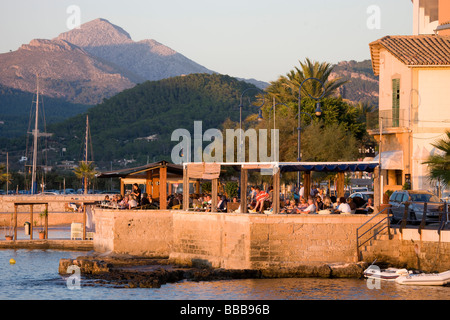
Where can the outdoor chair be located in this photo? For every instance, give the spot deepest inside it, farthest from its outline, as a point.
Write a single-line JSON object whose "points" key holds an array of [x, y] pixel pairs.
{"points": [[76, 231]]}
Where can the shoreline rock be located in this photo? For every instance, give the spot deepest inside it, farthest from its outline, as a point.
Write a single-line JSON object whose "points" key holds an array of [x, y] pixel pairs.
{"points": [[133, 272]]}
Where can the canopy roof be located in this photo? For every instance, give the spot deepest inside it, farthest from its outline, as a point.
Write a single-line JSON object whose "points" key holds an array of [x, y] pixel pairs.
{"points": [[172, 169]]}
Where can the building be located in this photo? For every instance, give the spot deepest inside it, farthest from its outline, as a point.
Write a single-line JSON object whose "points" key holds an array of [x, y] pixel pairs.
{"points": [[414, 95]]}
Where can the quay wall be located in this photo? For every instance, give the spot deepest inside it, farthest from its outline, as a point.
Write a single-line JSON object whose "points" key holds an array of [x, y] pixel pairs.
{"points": [[231, 241], [58, 215], [428, 250]]}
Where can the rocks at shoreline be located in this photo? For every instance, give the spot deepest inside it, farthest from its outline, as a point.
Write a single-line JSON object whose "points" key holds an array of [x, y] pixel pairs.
{"points": [[130, 272]]}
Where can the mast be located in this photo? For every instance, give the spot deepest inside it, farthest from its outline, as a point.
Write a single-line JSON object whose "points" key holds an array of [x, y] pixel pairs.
{"points": [[87, 137], [35, 134]]}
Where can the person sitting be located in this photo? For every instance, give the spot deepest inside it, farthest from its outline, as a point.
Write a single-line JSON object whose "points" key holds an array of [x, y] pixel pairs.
{"points": [[132, 202], [311, 209], [343, 207], [318, 202], [221, 204], [145, 199], [352, 205], [302, 205], [289, 207], [368, 207], [261, 197]]}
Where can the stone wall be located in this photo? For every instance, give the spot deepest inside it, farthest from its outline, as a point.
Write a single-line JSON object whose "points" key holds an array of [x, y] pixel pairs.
{"points": [[231, 241], [428, 251], [145, 233]]}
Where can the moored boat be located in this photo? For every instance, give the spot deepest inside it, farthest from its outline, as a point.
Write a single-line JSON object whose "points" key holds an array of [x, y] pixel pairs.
{"points": [[389, 274], [425, 279]]}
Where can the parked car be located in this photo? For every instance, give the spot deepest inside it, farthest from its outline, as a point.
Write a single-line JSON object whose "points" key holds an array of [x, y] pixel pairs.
{"points": [[445, 196], [415, 200], [360, 198]]}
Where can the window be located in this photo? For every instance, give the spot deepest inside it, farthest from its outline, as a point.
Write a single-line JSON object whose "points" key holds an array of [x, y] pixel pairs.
{"points": [[395, 102]]}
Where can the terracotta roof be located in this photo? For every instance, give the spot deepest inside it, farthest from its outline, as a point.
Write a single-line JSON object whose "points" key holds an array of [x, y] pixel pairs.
{"points": [[421, 50]]}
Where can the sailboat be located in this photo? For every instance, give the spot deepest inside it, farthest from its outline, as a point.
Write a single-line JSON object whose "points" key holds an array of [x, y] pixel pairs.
{"points": [[36, 134]]}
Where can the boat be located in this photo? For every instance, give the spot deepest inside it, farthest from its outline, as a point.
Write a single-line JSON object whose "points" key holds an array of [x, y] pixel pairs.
{"points": [[425, 279], [389, 274]]}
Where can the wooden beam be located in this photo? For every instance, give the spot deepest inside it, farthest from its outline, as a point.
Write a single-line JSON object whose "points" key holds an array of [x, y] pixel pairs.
{"points": [[46, 221], [185, 189], [84, 221], [340, 192], [163, 188], [15, 222], [307, 184], [276, 192], [214, 194], [244, 179], [31, 220]]}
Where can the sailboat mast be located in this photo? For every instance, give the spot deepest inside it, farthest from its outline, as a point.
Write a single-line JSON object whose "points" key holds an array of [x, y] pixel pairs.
{"points": [[35, 133], [87, 137]]}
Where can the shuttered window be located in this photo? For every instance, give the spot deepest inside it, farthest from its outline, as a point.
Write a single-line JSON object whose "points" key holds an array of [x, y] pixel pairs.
{"points": [[395, 102]]}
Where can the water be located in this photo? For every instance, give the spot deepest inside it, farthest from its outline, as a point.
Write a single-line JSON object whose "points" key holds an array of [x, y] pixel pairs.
{"points": [[35, 276]]}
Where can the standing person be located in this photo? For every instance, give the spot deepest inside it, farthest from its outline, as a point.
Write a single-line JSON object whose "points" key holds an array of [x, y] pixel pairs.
{"points": [[136, 192]]}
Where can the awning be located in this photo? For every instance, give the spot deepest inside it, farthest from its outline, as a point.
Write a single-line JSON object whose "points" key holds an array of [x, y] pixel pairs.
{"points": [[391, 160], [328, 166]]}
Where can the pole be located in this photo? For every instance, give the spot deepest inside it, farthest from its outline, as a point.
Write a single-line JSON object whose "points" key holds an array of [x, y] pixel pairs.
{"points": [[33, 177], [379, 161], [7, 173]]}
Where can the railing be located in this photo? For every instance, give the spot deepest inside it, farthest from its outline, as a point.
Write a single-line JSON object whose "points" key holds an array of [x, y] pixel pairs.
{"points": [[390, 119], [443, 219], [383, 223]]}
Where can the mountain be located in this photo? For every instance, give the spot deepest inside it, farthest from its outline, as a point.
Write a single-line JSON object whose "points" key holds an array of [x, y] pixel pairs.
{"points": [[138, 122], [91, 63], [362, 85], [149, 59]]}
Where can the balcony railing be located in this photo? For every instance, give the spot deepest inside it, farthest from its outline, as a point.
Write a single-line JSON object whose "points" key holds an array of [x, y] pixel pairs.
{"points": [[391, 119]]}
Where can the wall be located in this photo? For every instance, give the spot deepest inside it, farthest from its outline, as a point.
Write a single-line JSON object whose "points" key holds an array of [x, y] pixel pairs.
{"points": [[232, 241], [429, 251]]}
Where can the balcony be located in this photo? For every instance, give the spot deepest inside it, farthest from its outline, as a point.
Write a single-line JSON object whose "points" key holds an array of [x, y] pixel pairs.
{"points": [[392, 119]]}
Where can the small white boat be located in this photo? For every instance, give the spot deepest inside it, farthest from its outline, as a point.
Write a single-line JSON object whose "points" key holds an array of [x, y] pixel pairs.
{"points": [[389, 274], [425, 279]]}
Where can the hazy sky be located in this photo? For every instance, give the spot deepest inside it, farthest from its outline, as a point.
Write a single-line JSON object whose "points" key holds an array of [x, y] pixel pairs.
{"points": [[259, 39]]}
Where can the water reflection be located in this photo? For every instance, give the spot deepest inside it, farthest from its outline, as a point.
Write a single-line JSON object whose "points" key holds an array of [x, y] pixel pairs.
{"points": [[35, 276]]}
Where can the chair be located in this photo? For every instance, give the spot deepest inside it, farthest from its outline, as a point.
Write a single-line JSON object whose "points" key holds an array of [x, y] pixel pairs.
{"points": [[76, 231], [89, 235]]}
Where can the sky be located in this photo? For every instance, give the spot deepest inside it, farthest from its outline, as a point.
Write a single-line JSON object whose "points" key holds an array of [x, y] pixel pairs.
{"points": [[259, 39]]}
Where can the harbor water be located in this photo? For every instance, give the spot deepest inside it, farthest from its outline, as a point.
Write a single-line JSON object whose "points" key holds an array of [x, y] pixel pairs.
{"points": [[34, 276]]}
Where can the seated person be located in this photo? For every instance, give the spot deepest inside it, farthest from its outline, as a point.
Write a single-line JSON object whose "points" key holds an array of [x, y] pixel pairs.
{"points": [[145, 199], [343, 207], [303, 204], [289, 207], [261, 197], [132, 201], [221, 204], [311, 209], [368, 206]]}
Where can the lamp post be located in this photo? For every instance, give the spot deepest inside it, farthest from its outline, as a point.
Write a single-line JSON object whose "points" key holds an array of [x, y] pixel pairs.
{"points": [[318, 113], [241, 105]]}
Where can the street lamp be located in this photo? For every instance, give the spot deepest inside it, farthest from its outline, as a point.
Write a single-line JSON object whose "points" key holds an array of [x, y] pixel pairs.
{"points": [[241, 105], [318, 113]]}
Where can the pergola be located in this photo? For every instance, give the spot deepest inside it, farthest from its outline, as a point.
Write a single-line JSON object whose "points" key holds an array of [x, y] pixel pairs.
{"points": [[211, 171], [155, 176]]}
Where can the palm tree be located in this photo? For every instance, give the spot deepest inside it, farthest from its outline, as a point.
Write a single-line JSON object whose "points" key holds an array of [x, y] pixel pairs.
{"points": [[439, 164], [85, 171], [290, 84]]}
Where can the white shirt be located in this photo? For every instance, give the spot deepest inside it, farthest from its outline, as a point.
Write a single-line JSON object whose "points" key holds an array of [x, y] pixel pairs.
{"points": [[344, 208], [311, 209]]}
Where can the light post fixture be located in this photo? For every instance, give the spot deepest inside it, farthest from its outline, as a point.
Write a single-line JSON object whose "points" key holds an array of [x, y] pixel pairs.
{"points": [[318, 113], [241, 105]]}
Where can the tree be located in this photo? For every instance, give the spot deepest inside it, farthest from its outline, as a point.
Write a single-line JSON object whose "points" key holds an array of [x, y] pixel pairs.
{"points": [[85, 171], [4, 177], [439, 164], [288, 86]]}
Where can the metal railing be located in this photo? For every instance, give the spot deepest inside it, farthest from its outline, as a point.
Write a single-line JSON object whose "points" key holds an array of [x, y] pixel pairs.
{"points": [[383, 224]]}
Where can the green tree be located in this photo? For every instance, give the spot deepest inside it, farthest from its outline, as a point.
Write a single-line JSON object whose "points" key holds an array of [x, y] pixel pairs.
{"points": [[439, 164], [287, 87], [85, 171]]}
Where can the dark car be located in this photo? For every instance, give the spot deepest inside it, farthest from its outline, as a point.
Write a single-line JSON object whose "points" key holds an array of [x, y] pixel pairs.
{"points": [[415, 200]]}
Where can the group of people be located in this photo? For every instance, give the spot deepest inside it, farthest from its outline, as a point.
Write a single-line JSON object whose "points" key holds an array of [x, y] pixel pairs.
{"points": [[259, 201], [130, 201]]}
